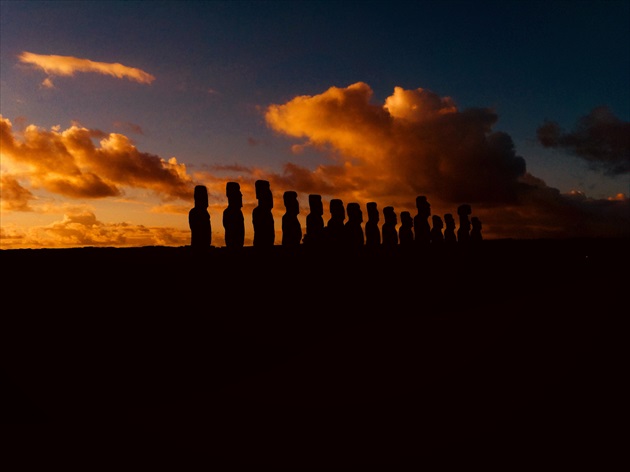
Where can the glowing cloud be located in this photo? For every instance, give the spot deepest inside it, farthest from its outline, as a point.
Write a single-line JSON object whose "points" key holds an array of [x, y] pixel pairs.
{"points": [[13, 196], [417, 142], [418, 105], [69, 163], [68, 66], [80, 229]]}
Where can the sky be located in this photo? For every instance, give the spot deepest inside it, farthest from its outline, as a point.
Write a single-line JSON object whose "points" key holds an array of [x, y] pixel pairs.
{"points": [[112, 112]]}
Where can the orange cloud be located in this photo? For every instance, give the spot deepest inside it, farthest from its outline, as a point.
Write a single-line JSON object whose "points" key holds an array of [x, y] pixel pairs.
{"points": [[72, 164], [13, 196], [418, 105], [68, 66], [618, 197], [81, 229], [417, 143]]}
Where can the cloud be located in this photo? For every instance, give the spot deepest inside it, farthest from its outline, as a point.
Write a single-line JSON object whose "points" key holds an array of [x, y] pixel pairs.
{"points": [[68, 66], [600, 138], [84, 163], [81, 229], [418, 143], [13, 196], [130, 127]]}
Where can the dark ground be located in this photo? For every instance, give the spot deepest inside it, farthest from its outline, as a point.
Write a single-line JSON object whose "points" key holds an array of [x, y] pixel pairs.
{"points": [[507, 334]]}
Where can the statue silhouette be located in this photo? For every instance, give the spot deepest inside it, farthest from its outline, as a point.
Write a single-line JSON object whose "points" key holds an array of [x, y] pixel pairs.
{"points": [[334, 229], [463, 232], [314, 221], [449, 231], [353, 232], [390, 233], [436, 231], [262, 216], [405, 233], [291, 227], [420, 221], [372, 230], [199, 220], [475, 232], [233, 220]]}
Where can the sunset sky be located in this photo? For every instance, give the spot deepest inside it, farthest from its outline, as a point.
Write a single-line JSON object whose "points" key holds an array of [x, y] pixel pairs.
{"points": [[111, 113]]}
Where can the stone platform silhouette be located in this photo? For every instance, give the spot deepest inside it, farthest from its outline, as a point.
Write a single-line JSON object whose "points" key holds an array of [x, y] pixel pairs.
{"points": [[503, 331]]}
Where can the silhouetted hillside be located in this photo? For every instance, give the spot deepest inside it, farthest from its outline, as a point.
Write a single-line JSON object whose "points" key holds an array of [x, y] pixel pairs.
{"points": [[498, 331]]}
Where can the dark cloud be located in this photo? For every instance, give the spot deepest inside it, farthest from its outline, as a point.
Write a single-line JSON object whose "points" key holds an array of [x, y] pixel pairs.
{"points": [[600, 138], [129, 127]]}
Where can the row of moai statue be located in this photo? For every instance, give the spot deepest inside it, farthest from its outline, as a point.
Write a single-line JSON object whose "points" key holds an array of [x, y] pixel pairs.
{"points": [[337, 232]]}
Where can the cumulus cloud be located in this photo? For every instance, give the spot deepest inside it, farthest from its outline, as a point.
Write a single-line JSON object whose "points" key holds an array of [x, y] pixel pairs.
{"points": [[55, 65], [416, 142], [600, 138], [419, 143], [84, 163]]}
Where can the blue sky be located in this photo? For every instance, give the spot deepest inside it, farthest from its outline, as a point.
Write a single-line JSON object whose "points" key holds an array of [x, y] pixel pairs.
{"points": [[218, 66]]}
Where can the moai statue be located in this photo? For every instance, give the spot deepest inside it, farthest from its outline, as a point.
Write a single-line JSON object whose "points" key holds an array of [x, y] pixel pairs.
{"points": [[291, 227], [421, 221], [262, 216], [463, 232], [449, 230], [389, 231], [372, 230], [436, 230], [199, 220], [334, 226], [233, 221], [405, 232], [353, 231], [475, 232], [314, 222]]}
